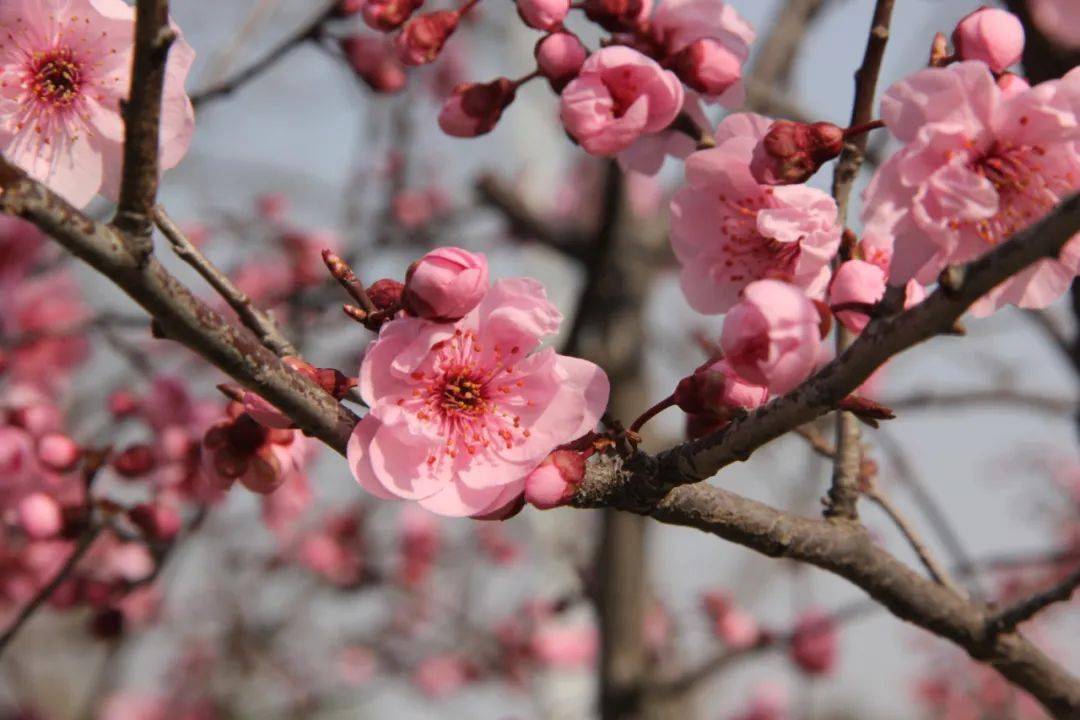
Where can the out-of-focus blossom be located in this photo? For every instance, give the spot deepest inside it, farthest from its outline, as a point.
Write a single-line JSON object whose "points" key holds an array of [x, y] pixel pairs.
{"points": [[1059, 20]]}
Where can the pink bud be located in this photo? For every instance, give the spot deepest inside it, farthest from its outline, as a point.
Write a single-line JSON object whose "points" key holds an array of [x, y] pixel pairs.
{"points": [[40, 516], [123, 403], [387, 15], [58, 452], [716, 389], [856, 286], [559, 57], [815, 643], [386, 293], [446, 284], [771, 337], [553, 483], [475, 108], [423, 37], [135, 461], [543, 14], [791, 152], [707, 66], [995, 37], [371, 60]]}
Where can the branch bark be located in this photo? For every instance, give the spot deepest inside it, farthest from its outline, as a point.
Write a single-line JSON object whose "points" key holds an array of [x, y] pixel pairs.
{"points": [[142, 124]]}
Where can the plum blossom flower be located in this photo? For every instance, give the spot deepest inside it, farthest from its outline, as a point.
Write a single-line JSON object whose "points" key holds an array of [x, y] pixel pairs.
{"points": [[815, 644], [65, 67], [462, 413], [772, 336], [978, 165], [618, 96], [728, 230], [714, 39]]}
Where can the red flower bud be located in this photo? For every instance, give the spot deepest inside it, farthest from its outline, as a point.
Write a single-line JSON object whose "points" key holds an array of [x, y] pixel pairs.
{"points": [[791, 152], [134, 462], [334, 382], [387, 15], [371, 60], [385, 294], [615, 15], [423, 37], [475, 108], [123, 403]]}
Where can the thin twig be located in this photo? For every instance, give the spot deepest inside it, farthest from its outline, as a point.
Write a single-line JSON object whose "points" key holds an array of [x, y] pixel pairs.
{"points": [[933, 400], [256, 320], [844, 491], [142, 124], [1008, 619], [936, 569], [311, 31], [818, 442], [42, 596]]}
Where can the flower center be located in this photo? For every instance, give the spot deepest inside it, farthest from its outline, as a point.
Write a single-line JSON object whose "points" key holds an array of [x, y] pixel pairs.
{"points": [[56, 78], [463, 395]]}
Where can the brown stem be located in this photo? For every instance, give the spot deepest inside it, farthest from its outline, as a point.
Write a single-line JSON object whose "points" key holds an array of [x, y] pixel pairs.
{"points": [[142, 124], [259, 322], [844, 491], [652, 412]]}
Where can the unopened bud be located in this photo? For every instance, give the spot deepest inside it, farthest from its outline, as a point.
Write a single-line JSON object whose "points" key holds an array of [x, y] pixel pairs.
{"points": [[615, 15], [387, 15], [791, 152], [553, 483], [423, 37], [475, 108], [135, 461], [58, 452], [385, 294], [707, 66], [559, 57], [372, 61]]}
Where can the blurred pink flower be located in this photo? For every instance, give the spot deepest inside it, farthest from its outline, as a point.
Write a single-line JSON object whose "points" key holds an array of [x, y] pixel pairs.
{"points": [[1059, 20], [815, 644], [441, 675], [565, 646]]}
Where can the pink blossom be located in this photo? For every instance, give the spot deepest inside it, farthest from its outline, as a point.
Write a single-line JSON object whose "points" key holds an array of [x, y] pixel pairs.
{"points": [[421, 540], [736, 627], [441, 675], [771, 337], [40, 516], [565, 646], [543, 14], [619, 96], [647, 154], [679, 24], [446, 284], [238, 448], [553, 483], [373, 61], [559, 57], [58, 452], [65, 67], [475, 108], [815, 643], [856, 282], [462, 413], [1059, 20], [423, 37], [769, 701], [992, 36], [977, 166], [728, 230]]}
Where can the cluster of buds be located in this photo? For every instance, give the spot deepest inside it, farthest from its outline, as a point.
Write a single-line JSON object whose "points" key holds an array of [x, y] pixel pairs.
{"points": [[238, 448]]}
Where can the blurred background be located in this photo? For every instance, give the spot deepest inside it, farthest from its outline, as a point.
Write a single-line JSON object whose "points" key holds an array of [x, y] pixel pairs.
{"points": [[322, 602]]}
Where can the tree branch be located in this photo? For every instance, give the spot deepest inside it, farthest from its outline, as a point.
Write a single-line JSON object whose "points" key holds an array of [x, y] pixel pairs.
{"points": [[1008, 619], [844, 491], [259, 322], [142, 124], [959, 399]]}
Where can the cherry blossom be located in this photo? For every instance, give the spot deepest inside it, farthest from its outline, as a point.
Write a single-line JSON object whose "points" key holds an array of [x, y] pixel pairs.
{"points": [[65, 67], [977, 166], [728, 230], [618, 96], [462, 413]]}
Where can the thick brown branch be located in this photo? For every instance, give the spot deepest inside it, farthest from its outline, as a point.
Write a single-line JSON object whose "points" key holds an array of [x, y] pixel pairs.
{"points": [[255, 319], [884, 338], [178, 313], [142, 123]]}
